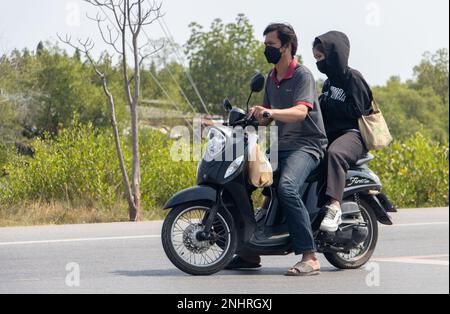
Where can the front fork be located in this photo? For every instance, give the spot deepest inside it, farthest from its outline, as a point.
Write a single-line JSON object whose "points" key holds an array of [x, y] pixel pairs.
{"points": [[207, 234]]}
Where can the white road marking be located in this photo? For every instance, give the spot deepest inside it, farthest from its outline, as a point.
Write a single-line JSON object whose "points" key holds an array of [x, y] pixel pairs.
{"points": [[28, 280], [158, 236], [79, 240], [420, 260], [442, 223]]}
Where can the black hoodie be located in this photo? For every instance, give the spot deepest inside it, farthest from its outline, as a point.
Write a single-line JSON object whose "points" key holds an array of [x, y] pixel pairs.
{"points": [[346, 95]]}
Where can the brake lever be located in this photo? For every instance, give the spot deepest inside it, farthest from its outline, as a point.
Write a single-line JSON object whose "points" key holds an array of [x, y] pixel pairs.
{"points": [[249, 119], [252, 121]]}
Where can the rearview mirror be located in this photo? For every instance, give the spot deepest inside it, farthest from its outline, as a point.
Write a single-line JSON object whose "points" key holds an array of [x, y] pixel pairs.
{"points": [[257, 83], [227, 105]]}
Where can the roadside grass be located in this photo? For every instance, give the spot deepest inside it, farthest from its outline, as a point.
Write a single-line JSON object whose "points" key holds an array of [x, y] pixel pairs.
{"points": [[75, 178], [57, 212], [61, 213]]}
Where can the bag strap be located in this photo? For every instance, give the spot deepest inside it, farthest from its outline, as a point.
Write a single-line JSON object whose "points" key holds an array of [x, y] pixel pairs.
{"points": [[376, 107]]}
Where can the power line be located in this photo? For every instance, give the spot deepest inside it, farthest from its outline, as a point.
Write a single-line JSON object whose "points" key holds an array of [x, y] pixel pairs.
{"points": [[167, 95], [166, 30], [174, 79], [169, 36], [151, 74]]}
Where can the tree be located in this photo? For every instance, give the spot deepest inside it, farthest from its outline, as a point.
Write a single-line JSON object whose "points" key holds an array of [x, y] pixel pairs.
{"points": [[420, 104], [222, 61], [63, 88], [409, 110], [47, 90], [8, 122], [124, 20], [40, 48], [77, 55], [433, 72]]}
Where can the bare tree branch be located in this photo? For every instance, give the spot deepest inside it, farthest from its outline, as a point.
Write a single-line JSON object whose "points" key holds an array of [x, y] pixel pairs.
{"points": [[155, 9], [153, 52], [85, 48], [124, 19], [110, 38]]}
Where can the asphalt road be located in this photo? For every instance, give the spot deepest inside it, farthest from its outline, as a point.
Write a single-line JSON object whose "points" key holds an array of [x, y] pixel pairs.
{"points": [[412, 257]]}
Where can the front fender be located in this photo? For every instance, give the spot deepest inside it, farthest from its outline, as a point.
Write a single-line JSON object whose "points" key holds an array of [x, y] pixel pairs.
{"points": [[198, 193]]}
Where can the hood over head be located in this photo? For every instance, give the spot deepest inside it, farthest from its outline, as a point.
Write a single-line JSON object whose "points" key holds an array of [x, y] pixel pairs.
{"points": [[337, 51]]}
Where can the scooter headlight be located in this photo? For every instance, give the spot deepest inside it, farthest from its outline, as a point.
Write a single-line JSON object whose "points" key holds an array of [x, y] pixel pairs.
{"points": [[235, 165], [216, 143]]}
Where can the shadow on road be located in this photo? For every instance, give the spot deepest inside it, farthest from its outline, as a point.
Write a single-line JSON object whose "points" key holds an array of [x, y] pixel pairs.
{"points": [[269, 271]]}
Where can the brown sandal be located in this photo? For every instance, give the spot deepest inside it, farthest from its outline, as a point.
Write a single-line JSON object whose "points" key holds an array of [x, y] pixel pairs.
{"points": [[302, 270]]}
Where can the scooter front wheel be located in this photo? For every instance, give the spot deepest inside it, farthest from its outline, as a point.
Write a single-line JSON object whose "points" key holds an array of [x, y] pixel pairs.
{"points": [[186, 249]]}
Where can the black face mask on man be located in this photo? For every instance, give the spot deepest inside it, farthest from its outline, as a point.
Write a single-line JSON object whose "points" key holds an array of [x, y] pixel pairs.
{"points": [[273, 54]]}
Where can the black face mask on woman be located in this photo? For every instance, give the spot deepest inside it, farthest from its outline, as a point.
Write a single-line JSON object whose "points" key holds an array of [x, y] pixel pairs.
{"points": [[272, 54], [322, 66], [328, 69]]}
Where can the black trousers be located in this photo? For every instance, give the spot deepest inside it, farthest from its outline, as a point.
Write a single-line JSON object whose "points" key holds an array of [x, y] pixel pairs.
{"points": [[343, 151]]}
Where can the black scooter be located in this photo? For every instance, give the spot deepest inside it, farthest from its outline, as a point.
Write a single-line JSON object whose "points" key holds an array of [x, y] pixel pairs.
{"points": [[215, 220]]}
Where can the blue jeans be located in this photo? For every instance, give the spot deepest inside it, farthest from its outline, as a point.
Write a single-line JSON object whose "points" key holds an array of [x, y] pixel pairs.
{"points": [[295, 167]]}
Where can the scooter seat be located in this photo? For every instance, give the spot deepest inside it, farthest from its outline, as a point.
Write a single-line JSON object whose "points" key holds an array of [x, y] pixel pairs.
{"points": [[367, 158], [318, 173]]}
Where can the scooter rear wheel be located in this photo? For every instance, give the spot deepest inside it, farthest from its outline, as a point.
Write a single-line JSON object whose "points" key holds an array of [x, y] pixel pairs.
{"points": [[183, 248], [358, 257]]}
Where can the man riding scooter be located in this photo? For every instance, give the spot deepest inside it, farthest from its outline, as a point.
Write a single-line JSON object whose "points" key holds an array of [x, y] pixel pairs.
{"points": [[214, 220], [290, 100]]}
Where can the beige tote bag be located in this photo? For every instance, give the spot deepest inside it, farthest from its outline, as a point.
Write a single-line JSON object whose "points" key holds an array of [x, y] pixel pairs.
{"points": [[374, 130], [260, 170]]}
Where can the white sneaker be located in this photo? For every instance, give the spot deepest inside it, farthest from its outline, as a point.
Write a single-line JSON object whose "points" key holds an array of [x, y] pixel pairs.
{"points": [[332, 220]]}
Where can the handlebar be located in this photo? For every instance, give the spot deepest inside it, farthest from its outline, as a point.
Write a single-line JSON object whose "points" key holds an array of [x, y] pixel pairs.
{"points": [[251, 120], [248, 120]]}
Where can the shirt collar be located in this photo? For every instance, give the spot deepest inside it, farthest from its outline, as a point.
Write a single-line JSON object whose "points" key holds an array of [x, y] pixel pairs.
{"points": [[289, 73]]}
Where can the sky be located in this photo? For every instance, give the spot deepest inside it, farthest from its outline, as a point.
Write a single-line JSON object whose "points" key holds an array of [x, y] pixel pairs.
{"points": [[388, 37]]}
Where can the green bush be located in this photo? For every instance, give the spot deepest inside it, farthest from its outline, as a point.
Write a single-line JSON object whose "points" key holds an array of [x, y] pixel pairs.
{"points": [[414, 173], [3, 155], [161, 176], [81, 164]]}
